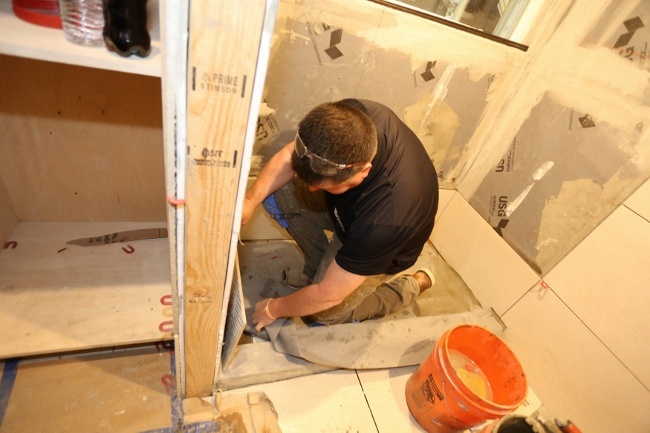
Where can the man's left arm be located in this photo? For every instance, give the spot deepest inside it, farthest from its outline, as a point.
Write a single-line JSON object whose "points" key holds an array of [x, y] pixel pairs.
{"points": [[336, 285]]}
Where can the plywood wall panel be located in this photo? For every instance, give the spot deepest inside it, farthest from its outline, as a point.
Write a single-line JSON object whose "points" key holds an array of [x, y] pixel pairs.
{"points": [[8, 217], [81, 144]]}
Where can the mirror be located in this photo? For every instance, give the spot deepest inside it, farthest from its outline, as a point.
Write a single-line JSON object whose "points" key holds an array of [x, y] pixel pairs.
{"points": [[494, 19]]}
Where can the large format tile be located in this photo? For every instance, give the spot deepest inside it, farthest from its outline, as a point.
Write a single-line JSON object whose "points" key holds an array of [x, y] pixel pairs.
{"points": [[605, 282], [444, 198], [639, 202], [385, 392], [491, 269], [327, 402], [572, 372]]}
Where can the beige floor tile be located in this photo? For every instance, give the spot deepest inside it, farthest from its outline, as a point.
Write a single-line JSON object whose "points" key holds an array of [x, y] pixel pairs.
{"points": [[639, 202], [385, 392], [572, 372], [123, 392], [605, 282], [327, 402], [491, 269], [444, 198]]}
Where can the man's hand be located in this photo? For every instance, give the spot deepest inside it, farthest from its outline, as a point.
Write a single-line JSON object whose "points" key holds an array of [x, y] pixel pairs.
{"points": [[262, 315], [332, 290]]}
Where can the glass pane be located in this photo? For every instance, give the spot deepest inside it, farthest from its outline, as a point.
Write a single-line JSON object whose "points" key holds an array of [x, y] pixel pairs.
{"points": [[492, 17]]}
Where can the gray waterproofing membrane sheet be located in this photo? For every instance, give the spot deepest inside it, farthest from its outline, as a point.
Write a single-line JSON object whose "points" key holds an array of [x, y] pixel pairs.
{"points": [[567, 169], [404, 338], [563, 174]]}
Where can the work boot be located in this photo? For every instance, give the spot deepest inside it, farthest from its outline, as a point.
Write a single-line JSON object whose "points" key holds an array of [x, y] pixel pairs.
{"points": [[425, 279]]}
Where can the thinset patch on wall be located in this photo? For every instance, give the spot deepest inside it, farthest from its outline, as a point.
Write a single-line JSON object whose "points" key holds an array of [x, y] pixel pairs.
{"points": [[564, 172]]}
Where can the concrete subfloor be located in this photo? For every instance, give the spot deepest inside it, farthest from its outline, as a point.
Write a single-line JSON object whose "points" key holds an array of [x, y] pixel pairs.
{"points": [[133, 390]]}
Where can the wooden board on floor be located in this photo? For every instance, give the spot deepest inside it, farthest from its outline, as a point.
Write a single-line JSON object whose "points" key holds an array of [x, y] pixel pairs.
{"points": [[125, 391], [56, 297]]}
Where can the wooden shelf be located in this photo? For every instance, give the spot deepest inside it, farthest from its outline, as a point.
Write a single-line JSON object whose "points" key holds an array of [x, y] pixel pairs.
{"points": [[19, 38], [56, 297]]}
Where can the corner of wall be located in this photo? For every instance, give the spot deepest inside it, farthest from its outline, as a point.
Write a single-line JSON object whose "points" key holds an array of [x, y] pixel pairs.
{"points": [[261, 227], [497, 276]]}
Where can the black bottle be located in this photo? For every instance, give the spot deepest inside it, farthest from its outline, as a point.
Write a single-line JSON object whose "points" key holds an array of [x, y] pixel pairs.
{"points": [[125, 27]]}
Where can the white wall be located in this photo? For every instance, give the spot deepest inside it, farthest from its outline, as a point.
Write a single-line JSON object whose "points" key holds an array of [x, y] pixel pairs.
{"points": [[581, 332]]}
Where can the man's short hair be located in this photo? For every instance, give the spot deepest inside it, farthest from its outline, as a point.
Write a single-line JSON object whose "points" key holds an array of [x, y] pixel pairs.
{"points": [[339, 133]]}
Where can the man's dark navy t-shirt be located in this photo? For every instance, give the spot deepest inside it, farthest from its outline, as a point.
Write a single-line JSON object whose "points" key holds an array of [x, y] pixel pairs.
{"points": [[385, 221]]}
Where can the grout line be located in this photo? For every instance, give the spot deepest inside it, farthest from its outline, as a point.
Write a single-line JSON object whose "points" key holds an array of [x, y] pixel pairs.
{"points": [[447, 203], [520, 298], [589, 329], [7, 385], [636, 213], [599, 340], [367, 402]]}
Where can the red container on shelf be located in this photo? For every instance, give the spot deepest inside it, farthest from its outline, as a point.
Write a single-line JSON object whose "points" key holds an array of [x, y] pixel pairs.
{"points": [[40, 12]]}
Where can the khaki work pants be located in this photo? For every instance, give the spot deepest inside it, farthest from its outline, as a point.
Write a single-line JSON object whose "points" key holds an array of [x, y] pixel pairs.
{"points": [[305, 214]]}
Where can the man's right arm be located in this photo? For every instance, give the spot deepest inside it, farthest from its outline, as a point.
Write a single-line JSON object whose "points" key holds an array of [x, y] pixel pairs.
{"points": [[275, 174]]}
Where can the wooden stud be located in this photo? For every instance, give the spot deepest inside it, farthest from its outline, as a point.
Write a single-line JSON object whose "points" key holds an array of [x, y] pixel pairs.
{"points": [[224, 43]]}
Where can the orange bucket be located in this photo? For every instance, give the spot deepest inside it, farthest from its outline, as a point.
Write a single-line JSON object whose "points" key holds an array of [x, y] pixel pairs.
{"points": [[470, 377]]}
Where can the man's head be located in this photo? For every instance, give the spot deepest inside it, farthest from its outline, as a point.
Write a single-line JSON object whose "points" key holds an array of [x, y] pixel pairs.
{"points": [[334, 145]]}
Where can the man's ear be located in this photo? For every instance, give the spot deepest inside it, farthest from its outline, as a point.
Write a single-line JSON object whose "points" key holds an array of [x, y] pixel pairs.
{"points": [[366, 169]]}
